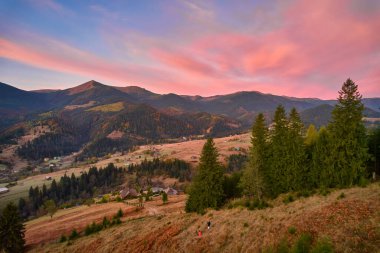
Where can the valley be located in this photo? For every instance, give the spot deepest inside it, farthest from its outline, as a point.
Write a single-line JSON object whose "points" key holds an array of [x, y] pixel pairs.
{"points": [[186, 150], [59, 158]]}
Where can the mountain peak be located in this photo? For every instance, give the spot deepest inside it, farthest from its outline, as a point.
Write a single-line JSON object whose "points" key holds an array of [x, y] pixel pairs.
{"points": [[84, 87]]}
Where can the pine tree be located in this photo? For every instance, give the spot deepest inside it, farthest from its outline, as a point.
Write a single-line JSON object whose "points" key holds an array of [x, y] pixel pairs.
{"points": [[11, 230], [277, 172], [253, 175], [349, 137], [207, 188], [297, 177], [322, 165]]}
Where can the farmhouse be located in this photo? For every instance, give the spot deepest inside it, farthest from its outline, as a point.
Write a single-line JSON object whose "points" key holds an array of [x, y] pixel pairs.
{"points": [[157, 189], [171, 191], [4, 190], [128, 193]]}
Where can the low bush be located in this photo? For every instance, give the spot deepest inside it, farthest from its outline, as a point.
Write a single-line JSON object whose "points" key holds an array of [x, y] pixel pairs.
{"points": [[74, 235], [292, 230], [63, 238], [303, 244], [341, 196], [323, 245], [289, 198], [363, 182]]}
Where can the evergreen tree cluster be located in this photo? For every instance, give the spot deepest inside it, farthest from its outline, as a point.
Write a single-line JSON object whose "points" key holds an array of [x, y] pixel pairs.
{"points": [[282, 159], [11, 230], [173, 168], [104, 146], [66, 137], [49, 145], [73, 188]]}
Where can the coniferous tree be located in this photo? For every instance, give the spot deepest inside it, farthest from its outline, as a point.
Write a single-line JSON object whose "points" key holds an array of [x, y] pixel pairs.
{"points": [[322, 172], [278, 154], [11, 230], [297, 172], [311, 136], [374, 151], [349, 137], [207, 189], [253, 175]]}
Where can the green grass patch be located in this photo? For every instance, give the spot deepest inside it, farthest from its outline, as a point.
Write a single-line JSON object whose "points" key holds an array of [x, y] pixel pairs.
{"points": [[115, 107]]}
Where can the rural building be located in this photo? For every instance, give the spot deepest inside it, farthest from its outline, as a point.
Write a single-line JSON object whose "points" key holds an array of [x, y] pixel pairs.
{"points": [[48, 178], [128, 193], [171, 191], [157, 189], [4, 190]]}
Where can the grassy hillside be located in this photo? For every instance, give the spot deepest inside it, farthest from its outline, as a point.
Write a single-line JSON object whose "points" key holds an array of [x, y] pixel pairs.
{"points": [[351, 221], [114, 107]]}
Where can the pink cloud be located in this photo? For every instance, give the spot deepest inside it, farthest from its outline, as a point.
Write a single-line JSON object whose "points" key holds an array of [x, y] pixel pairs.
{"points": [[317, 46], [53, 55], [183, 61]]}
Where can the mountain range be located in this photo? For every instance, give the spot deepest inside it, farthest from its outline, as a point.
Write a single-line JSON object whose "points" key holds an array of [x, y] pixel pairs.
{"points": [[98, 115]]}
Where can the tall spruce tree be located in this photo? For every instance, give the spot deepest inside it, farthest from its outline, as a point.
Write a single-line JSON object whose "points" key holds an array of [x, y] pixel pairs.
{"points": [[297, 176], [322, 172], [349, 137], [11, 230], [277, 173], [207, 188], [253, 175]]}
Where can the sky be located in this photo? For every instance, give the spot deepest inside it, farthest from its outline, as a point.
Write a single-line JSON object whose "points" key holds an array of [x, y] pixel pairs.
{"points": [[296, 48]]}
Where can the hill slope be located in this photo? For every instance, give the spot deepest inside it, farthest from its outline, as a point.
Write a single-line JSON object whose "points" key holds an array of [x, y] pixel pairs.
{"points": [[352, 224]]}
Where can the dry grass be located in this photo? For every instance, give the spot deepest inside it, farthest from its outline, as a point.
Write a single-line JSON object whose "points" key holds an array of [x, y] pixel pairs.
{"points": [[64, 221], [186, 150], [352, 224]]}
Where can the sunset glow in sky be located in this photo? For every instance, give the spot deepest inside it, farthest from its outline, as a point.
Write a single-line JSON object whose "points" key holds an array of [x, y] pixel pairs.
{"points": [[296, 48]]}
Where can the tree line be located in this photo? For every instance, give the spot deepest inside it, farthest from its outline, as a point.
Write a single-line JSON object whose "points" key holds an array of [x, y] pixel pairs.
{"points": [[72, 189], [173, 168], [283, 159]]}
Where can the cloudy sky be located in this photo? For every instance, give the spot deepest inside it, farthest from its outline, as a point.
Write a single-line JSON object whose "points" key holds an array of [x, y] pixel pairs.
{"points": [[294, 48]]}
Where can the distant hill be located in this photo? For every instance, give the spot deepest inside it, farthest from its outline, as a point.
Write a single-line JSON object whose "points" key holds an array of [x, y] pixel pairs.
{"points": [[104, 118]]}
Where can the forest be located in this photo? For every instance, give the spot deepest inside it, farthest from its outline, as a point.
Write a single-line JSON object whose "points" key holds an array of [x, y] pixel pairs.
{"points": [[284, 158], [173, 168], [72, 190]]}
